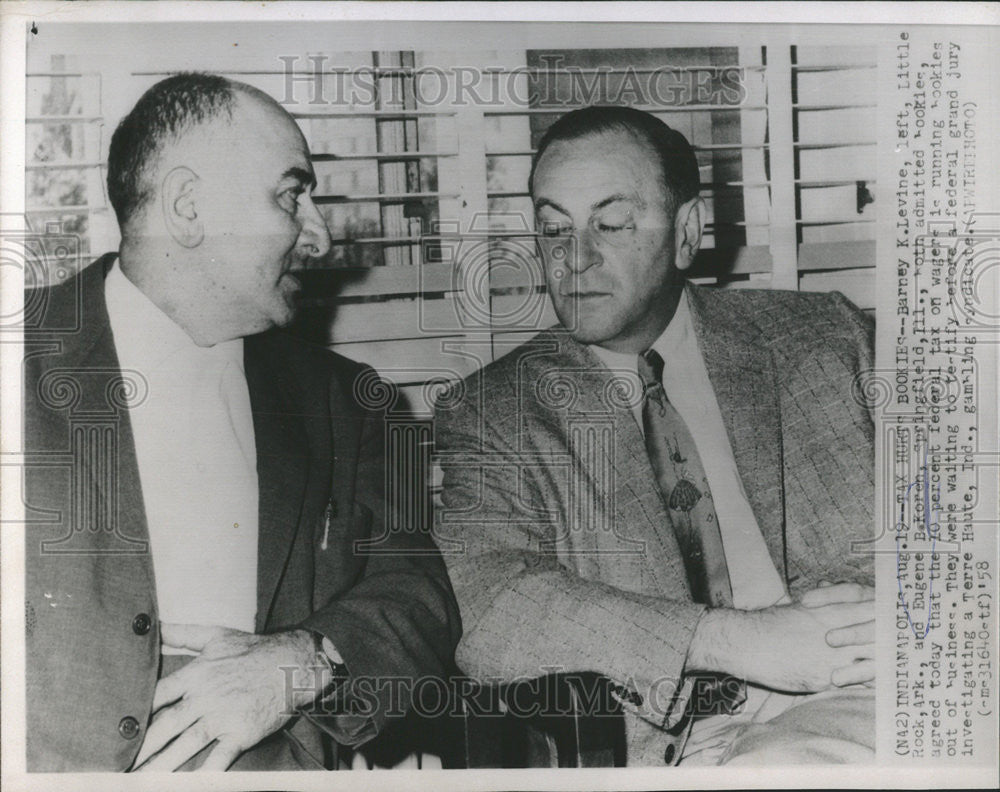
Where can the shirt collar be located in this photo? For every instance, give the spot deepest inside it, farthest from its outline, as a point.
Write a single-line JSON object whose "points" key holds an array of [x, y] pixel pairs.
{"points": [[145, 336]]}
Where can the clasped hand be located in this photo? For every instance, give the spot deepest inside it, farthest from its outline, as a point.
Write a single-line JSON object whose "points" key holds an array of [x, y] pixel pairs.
{"points": [[233, 694], [825, 639]]}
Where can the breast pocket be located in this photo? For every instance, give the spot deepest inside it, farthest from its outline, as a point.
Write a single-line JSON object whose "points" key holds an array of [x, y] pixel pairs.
{"points": [[342, 532]]}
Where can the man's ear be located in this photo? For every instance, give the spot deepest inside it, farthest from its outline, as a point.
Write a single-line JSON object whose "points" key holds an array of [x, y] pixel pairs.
{"points": [[688, 224], [180, 211]]}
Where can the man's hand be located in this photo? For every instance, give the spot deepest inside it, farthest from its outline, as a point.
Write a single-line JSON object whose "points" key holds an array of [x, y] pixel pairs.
{"points": [[787, 647], [861, 636], [233, 693]]}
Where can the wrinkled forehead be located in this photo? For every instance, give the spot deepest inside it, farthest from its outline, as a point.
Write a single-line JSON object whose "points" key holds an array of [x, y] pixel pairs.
{"points": [[614, 161], [260, 144], [261, 119], [255, 131]]}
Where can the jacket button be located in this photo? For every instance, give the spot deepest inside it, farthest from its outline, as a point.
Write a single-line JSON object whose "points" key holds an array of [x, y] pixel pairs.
{"points": [[141, 624], [627, 696], [668, 755], [128, 727]]}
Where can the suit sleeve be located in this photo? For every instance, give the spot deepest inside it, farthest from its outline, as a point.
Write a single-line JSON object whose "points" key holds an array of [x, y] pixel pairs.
{"points": [[399, 622], [524, 613]]}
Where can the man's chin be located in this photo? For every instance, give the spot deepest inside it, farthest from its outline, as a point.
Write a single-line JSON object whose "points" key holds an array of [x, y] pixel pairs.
{"points": [[581, 330], [291, 291], [584, 334], [283, 309], [285, 317]]}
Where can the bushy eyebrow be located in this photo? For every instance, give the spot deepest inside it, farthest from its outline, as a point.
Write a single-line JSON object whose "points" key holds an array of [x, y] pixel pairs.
{"points": [[306, 177], [543, 202], [631, 198]]}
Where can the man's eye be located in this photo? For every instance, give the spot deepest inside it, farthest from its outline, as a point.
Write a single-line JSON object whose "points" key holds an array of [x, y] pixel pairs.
{"points": [[289, 199], [613, 225]]}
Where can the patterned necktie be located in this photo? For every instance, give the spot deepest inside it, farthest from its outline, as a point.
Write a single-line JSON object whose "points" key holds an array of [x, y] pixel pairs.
{"points": [[684, 487], [688, 500]]}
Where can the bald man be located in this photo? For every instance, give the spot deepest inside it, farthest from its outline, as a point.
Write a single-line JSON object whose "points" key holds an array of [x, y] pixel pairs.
{"points": [[203, 591]]}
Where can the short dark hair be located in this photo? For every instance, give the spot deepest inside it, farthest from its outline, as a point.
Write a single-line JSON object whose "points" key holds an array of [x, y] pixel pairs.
{"points": [[164, 112], [677, 160]]}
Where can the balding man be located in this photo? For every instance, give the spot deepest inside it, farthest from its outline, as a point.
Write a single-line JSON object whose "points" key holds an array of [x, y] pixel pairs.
{"points": [[218, 559]]}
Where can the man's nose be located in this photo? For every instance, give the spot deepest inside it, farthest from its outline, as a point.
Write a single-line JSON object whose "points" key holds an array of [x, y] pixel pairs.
{"points": [[585, 253], [314, 238]]}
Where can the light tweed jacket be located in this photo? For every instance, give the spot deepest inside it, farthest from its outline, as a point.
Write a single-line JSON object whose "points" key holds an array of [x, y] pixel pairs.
{"points": [[557, 543]]}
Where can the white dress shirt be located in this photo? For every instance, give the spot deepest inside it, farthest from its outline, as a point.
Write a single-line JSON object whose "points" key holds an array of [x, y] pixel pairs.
{"points": [[194, 445], [754, 579]]}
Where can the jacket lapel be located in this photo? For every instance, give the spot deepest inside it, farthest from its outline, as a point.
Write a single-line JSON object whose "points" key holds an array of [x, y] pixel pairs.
{"points": [[282, 465], [743, 377], [117, 490], [640, 523]]}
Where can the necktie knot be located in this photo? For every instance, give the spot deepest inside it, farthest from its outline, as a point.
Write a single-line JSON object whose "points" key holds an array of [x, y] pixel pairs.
{"points": [[651, 368]]}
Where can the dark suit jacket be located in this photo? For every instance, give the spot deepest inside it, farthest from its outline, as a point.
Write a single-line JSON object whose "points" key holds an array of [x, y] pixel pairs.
{"points": [[554, 531], [91, 661]]}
